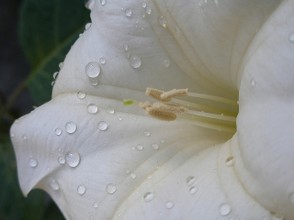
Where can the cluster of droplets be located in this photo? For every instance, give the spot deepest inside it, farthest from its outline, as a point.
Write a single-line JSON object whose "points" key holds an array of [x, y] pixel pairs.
{"points": [[190, 181]]}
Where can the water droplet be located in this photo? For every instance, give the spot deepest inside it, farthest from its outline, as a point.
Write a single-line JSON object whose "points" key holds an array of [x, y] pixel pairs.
{"points": [[33, 163], [166, 63], [102, 126], [162, 22], [60, 65], [169, 205], [93, 70], [55, 75], [87, 26], [73, 159], [61, 160], [119, 118], [58, 131], [92, 108], [190, 180], [91, 217], [54, 185], [225, 209], [133, 175], [24, 137], [291, 38], [81, 95], [128, 12], [155, 146], [193, 190], [103, 2], [291, 197], [102, 60], [147, 133], [139, 147], [111, 188], [126, 47], [95, 205], [70, 127], [148, 10], [111, 111], [135, 62], [252, 82], [81, 189], [144, 5], [148, 197], [230, 161], [90, 4]]}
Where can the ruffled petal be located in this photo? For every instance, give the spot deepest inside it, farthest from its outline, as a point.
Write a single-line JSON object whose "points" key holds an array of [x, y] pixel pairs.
{"points": [[265, 122]]}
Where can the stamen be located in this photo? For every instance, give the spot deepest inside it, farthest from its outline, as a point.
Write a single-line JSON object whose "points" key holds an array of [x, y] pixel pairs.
{"points": [[154, 93], [173, 93], [212, 116], [212, 98]]}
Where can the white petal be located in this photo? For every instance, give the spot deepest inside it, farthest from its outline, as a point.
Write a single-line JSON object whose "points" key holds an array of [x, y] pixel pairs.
{"points": [[265, 122], [123, 154]]}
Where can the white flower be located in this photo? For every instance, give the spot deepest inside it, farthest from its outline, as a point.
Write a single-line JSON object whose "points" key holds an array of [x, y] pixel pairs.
{"points": [[101, 159]]}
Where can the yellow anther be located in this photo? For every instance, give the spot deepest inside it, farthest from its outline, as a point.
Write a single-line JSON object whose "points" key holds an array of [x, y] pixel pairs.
{"points": [[154, 93], [161, 114], [167, 96]]}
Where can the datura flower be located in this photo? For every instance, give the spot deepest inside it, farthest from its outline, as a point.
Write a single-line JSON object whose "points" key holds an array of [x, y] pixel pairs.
{"points": [[169, 109]]}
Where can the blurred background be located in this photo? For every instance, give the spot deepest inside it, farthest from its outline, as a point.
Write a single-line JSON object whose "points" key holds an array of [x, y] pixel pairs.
{"points": [[35, 35]]}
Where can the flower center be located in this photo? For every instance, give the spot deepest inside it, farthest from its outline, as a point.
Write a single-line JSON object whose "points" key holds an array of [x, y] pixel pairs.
{"points": [[205, 110]]}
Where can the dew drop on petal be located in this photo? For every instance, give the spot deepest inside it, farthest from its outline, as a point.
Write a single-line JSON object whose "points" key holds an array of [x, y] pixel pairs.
{"points": [[166, 63], [155, 146], [252, 82], [81, 95], [140, 147], [135, 61], [162, 22], [147, 133], [54, 185], [102, 126], [148, 10], [169, 205], [225, 209], [193, 190], [60, 65], [73, 159], [111, 188], [190, 180], [111, 111], [61, 160], [70, 127], [58, 131], [95, 205], [230, 161], [103, 2], [128, 12], [33, 163], [92, 108], [144, 5], [81, 189], [102, 60], [90, 4], [93, 70], [87, 26], [148, 197], [291, 38], [126, 47], [133, 175], [55, 75]]}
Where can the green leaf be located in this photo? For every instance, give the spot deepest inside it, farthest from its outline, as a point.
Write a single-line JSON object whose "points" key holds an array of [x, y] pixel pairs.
{"points": [[47, 29]]}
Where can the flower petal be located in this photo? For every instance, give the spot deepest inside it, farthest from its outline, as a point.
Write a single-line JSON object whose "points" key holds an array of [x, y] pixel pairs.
{"points": [[265, 122], [101, 158]]}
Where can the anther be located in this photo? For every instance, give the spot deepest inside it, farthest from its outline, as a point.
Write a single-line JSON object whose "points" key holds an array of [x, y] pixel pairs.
{"points": [[167, 96]]}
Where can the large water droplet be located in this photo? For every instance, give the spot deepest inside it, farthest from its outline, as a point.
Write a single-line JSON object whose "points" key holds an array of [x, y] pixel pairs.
{"points": [[162, 22], [73, 159], [70, 127], [225, 209], [33, 163], [111, 188], [81, 189], [190, 180], [93, 70], [92, 108], [230, 161], [291, 38], [102, 126], [135, 61], [103, 2], [148, 197], [54, 185], [128, 12], [81, 95], [87, 26], [58, 131], [169, 205]]}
